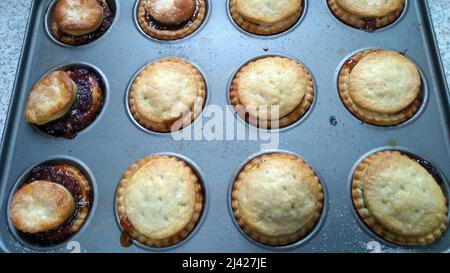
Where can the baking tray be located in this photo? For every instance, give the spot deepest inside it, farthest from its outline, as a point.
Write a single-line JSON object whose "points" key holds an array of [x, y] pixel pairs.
{"points": [[330, 139]]}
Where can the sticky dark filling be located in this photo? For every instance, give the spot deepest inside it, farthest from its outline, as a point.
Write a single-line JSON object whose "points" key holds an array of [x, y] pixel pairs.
{"points": [[369, 24], [108, 18], [85, 108], [61, 175], [125, 238], [153, 23], [352, 62]]}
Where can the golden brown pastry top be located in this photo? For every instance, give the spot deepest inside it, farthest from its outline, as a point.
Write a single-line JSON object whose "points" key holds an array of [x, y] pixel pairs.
{"points": [[268, 12], [399, 199], [270, 88], [384, 82], [277, 197], [78, 17], [159, 196], [370, 8], [41, 206], [170, 12], [50, 98], [167, 91], [403, 196]]}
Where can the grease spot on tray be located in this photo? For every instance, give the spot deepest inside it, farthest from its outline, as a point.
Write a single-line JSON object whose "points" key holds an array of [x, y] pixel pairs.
{"points": [[392, 142]]}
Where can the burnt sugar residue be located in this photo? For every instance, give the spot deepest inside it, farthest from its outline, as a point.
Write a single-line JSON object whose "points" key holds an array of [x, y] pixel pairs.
{"points": [[125, 240], [333, 121], [153, 23], [89, 101], [108, 19], [350, 63], [59, 174], [369, 24], [431, 169]]}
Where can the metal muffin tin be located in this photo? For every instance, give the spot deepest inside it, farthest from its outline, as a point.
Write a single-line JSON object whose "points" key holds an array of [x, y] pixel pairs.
{"points": [[329, 138]]}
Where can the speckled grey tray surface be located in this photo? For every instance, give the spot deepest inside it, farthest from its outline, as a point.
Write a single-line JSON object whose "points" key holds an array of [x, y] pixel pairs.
{"points": [[114, 142], [14, 15]]}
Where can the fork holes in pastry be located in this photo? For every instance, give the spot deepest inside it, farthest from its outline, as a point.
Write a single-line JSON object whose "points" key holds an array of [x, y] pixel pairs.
{"points": [[309, 235], [195, 71], [127, 240], [429, 166], [287, 122], [39, 242], [423, 97]]}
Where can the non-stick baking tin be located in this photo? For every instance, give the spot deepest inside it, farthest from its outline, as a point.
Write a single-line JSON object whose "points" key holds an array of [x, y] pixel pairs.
{"points": [[329, 138]]}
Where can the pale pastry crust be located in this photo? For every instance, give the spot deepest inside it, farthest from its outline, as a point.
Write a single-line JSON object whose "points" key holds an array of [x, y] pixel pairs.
{"points": [[268, 83], [50, 98], [384, 82], [41, 206], [170, 12], [159, 200], [78, 17], [277, 199], [197, 20], [167, 92], [85, 188], [381, 87], [399, 199], [356, 13], [266, 17]]}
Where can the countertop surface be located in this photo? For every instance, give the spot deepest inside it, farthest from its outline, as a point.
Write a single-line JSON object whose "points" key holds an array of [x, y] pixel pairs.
{"points": [[13, 23]]}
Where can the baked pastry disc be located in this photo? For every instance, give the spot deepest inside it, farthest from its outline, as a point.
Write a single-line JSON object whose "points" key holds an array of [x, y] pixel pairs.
{"points": [[399, 200], [167, 28], [65, 102], [50, 98], [367, 15], [277, 199], [380, 87], [159, 201], [167, 95], [41, 206], [272, 92], [52, 205], [253, 16], [78, 17], [78, 22]]}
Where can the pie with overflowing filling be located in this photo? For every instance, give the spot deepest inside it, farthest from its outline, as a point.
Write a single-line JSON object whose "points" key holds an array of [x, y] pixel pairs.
{"points": [[381, 87], [65, 102], [266, 17], [78, 22], [367, 14], [277, 199], [52, 204], [159, 201], [399, 199], [272, 92], [171, 19], [167, 95]]}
